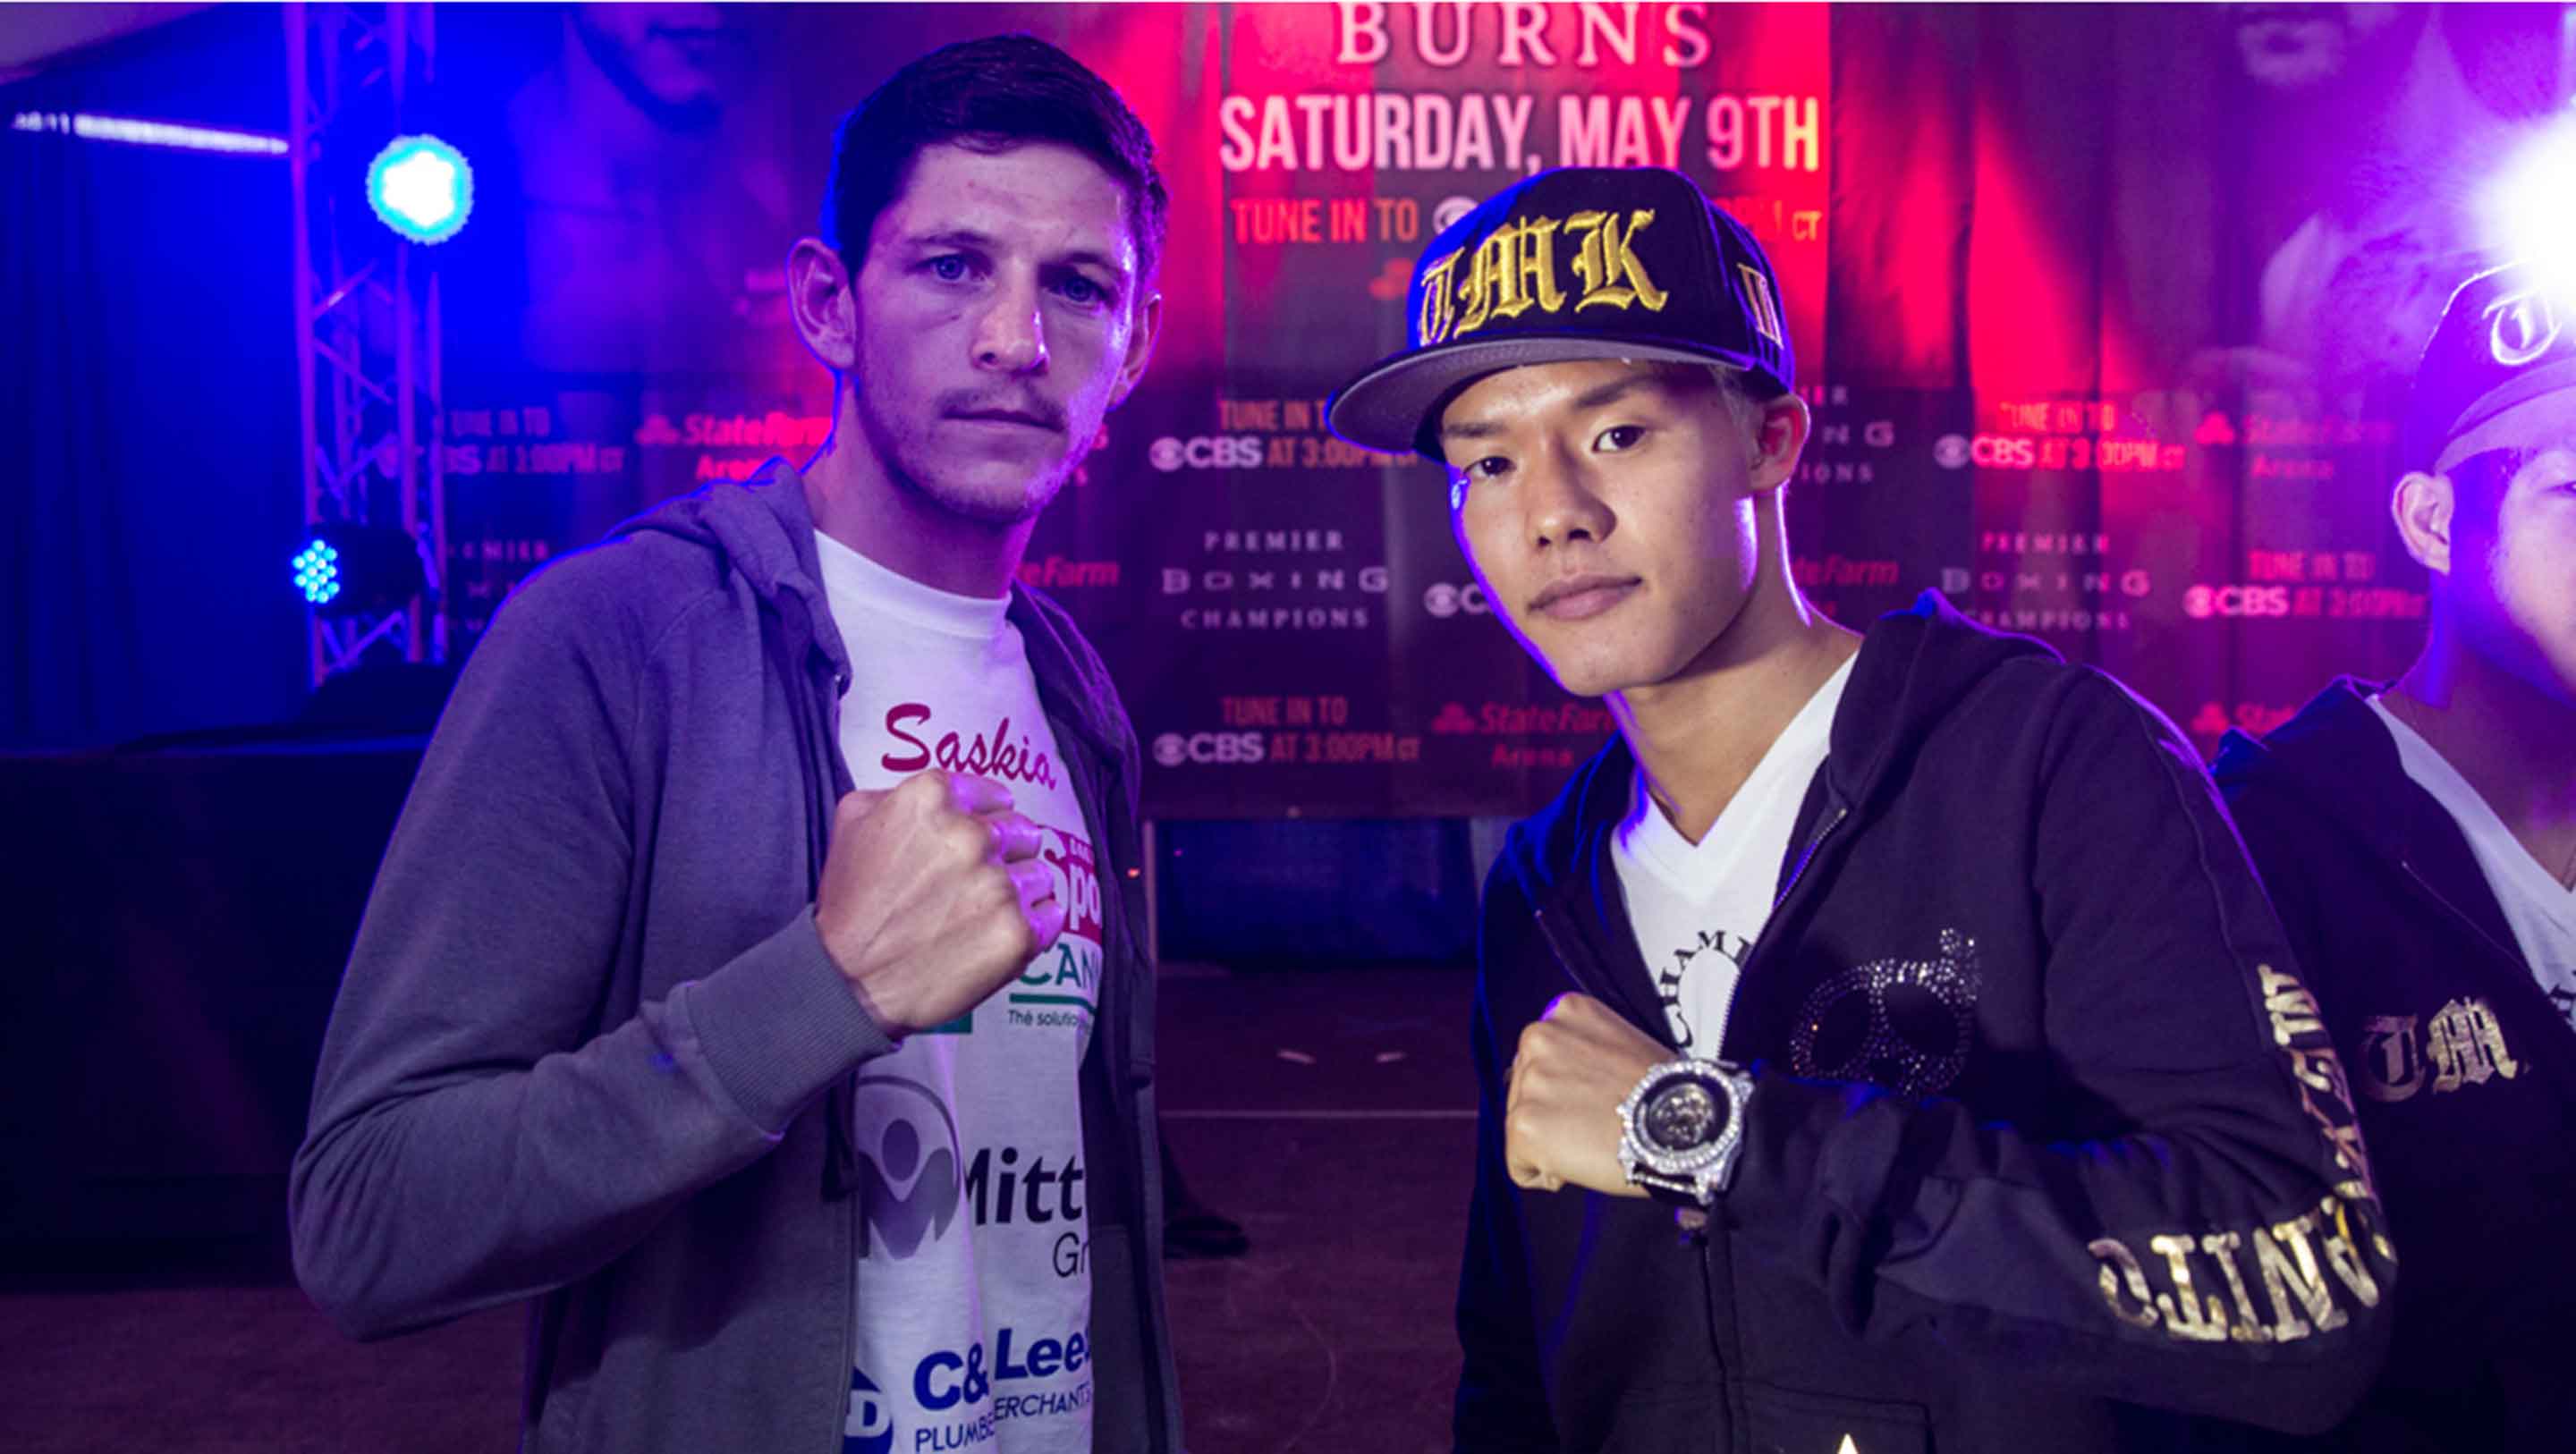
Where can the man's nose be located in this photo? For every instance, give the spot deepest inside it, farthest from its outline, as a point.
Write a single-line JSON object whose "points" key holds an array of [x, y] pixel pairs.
{"points": [[1562, 503], [1011, 336]]}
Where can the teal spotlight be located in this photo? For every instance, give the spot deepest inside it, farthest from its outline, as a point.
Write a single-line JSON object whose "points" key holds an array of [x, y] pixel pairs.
{"points": [[421, 187]]}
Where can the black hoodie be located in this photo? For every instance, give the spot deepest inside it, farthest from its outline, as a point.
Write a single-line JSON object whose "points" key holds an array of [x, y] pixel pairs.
{"points": [[2043, 1129], [2466, 1075]]}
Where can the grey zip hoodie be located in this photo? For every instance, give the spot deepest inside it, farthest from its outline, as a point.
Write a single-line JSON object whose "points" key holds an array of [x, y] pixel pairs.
{"points": [[590, 1049]]}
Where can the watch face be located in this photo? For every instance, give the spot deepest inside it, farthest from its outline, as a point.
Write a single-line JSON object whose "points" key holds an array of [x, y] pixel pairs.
{"points": [[1682, 1116]]}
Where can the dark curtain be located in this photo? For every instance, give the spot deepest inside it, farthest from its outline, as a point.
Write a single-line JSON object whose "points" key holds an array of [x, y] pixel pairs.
{"points": [[152, 499]]}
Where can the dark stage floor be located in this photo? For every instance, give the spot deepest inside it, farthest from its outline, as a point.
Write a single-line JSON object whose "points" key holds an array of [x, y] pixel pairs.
{"points": [[1328, 1111]]}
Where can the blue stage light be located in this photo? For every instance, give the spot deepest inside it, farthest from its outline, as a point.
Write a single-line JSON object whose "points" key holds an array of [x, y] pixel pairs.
{"points": [[422, 188], [317, 573], [351, 568]]}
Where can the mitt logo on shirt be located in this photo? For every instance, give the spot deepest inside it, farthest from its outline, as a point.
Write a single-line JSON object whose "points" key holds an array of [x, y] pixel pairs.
{"points": [[1904, 1024], [908, 1177]]}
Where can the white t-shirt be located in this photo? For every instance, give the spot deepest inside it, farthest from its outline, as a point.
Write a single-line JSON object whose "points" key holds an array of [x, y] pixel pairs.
{"points": [[2541, 910], [1697, 907], [974, 1267]]}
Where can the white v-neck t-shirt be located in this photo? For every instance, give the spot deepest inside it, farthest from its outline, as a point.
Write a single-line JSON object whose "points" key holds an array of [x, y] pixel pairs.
{"points": [[2541, 910], [974, 1256], [1696, 908]]}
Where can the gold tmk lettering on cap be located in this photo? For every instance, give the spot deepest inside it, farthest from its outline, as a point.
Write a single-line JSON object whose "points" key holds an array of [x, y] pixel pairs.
{"points": [[1765, 308], [1514, 270], [1612, 276]]}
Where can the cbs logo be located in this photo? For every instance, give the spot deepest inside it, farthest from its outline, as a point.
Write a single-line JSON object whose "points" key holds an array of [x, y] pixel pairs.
{"points": [[1172, 749], [2202, 602], [1445, 600], [1206, 452]]}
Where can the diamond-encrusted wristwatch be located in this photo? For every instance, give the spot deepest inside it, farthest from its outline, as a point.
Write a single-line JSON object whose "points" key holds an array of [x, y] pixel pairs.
{"points": [[1681, 1129]]}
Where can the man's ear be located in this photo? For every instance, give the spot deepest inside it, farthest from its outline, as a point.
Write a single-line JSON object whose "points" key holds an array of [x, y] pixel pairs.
{"points": [[1140, 347], [2423, 506], [1779, 437], [826, 308]]}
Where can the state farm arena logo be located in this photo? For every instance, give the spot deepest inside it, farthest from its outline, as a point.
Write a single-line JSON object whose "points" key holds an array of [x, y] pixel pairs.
{"points": [[1056, 573], [1509, 719], [909, 1183], [776, 429]]}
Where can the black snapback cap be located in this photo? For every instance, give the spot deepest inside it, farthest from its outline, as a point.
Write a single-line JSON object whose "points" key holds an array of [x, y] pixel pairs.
{"points": [[2506, 337], [1575, 263]]}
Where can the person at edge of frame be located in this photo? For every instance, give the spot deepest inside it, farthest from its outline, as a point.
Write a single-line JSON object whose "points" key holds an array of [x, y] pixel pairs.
{"points": [[694, 999], [2419, 841], [1883, 1044]]}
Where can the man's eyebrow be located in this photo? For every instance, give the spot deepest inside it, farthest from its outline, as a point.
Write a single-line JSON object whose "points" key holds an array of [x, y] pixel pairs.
{"points": [[965, 237], [1615, 390], [1609, 393], [1101, 260], [969, 238], [1470, 429]]}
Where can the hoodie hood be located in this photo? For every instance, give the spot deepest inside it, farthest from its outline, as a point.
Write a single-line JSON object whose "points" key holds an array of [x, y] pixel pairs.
{"points": [[2334, 765], [2335, 743], [764, 531]]}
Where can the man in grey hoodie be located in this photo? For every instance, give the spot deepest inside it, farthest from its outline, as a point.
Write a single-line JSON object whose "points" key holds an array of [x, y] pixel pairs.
{"points": [[752, 979]]}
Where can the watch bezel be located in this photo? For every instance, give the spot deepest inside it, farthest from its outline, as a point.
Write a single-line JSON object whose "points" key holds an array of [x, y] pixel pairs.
{"points": [[1694, 1175]]}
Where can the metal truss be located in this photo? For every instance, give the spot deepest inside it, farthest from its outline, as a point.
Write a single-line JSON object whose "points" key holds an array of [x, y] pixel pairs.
{"points": [[366, 312]]}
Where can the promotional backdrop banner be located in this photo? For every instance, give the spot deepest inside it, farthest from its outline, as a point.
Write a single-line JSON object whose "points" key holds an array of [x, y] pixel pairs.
{"points": [[2104, 316]]}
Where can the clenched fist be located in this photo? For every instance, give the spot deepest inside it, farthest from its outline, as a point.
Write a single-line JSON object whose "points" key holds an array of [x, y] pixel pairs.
{"points": [[933, 895], [1575, 1065]]}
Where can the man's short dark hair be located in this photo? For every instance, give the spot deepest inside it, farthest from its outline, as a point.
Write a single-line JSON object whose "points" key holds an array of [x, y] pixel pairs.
{"points": [[988, 95]]}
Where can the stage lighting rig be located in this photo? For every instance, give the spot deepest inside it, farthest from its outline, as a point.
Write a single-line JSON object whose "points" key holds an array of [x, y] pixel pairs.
{"points": [[421, 187]]}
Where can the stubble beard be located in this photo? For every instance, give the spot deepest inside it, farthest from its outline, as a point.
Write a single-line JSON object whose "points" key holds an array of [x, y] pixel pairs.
{"points": [[909, 472]]}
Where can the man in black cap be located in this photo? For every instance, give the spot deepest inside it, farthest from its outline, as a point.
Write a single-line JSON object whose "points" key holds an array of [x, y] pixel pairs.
{"points": [[2419, 839], [1916, 974]]}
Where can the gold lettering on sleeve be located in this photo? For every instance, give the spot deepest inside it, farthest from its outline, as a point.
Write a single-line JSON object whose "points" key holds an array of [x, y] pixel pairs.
{"points": [[2220, 1247], [2184, 1315], [2295, 1275], [2120, 1266], [2300, 1262], [2324, 1092], [2293, 1009], [2343, 1250], [1607, 263]]}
